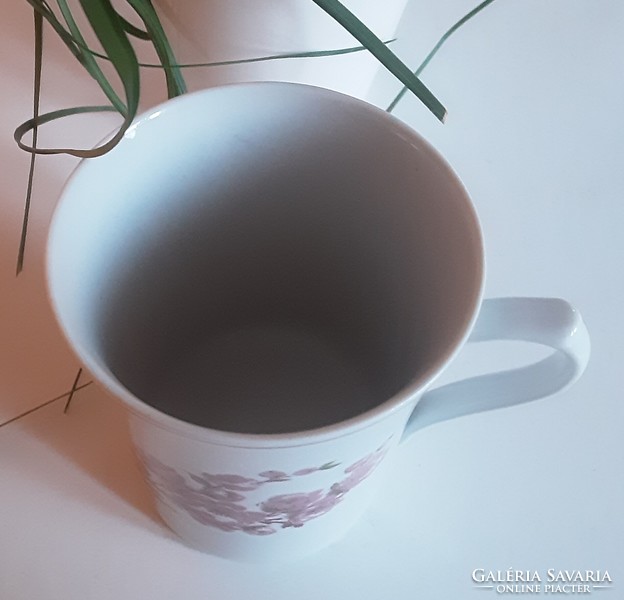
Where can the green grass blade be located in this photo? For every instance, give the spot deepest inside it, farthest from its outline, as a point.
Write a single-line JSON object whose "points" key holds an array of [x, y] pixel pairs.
{"points": [[39, 120], [255, 59], [41, 7], [378, 49], [89, 62], [305, 54], [175, 82], [439, 45], [133, 30], [31, 171], [109, 30]]}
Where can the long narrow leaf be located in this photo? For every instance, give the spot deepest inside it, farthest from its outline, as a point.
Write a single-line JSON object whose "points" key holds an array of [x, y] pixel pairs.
{"points": [[303, 54], [39, 120], [175, 82], [41, 7], [110, 31], [134, 31], [437, 47], [33, 157], [255, 59], [378, 49], [90, 63], [74, 41]]}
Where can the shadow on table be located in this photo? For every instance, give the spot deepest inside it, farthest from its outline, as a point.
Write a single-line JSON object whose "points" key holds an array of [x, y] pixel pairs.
{"points": [[97, 465], [93, 439]]}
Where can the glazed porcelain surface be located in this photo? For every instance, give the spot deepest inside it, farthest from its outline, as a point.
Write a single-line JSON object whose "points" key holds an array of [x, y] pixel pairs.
{"points": [[271, 280]]}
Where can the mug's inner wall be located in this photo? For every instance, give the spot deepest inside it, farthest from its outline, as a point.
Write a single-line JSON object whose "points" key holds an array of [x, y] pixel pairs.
{"points": [[267, 272]]}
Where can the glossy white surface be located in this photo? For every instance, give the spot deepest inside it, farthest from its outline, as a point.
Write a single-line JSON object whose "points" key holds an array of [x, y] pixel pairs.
{"points": [[534, 93], [550, 322], [226, 222]]}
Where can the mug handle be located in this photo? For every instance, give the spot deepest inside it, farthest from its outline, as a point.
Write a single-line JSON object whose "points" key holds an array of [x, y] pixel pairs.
{"points": [[548, 321]]}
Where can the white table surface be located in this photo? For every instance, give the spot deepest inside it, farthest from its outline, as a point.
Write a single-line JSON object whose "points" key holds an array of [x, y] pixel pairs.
{"points": [[535, 92]]}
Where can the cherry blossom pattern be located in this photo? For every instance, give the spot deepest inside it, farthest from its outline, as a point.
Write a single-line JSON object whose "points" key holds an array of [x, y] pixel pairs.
{"points": [[219, 500]]}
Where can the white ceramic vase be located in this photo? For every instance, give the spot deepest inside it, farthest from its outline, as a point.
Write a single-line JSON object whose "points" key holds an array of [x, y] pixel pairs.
{"points": [[224, 30]]}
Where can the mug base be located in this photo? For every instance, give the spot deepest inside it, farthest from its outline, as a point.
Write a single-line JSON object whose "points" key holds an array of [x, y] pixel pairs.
{"points": [[286, 546]]}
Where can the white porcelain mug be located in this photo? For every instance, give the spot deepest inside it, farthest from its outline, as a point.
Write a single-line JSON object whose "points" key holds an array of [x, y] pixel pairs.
{"points": [[270, 277]]}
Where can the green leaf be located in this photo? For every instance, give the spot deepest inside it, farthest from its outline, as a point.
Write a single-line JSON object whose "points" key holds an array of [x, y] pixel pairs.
{"points": [[31, 171], [378, 49], [38, 120], [88, 56], [134, 31], [175, 82], [437, 47], [255, 59], [42, 8], [109, 29]]}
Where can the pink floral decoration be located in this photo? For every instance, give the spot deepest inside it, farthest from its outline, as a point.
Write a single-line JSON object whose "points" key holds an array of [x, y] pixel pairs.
{"points": [[218, 500]]}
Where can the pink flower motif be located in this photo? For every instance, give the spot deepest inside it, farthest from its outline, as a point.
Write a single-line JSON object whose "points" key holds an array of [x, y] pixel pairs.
{"points": [[235, 483], [359, 471], [290, 503], [290, 510], [218, 500]]}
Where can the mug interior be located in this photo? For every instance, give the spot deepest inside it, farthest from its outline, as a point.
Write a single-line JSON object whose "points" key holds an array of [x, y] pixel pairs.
{"points": [[265, 258]]}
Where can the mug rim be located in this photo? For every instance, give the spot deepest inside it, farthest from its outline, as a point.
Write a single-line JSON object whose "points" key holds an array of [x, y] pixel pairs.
{"points": [[395, 403]]}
